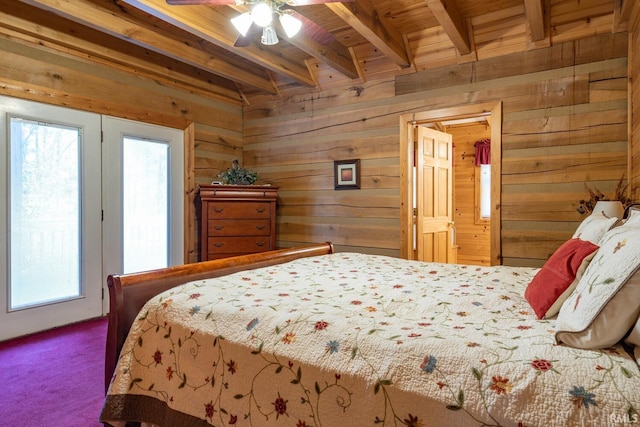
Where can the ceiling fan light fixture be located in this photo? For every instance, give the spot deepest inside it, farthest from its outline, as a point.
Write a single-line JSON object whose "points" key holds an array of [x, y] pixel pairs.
{"points": [[242, 23], [262, 14], [290, 24], [269, 36]]}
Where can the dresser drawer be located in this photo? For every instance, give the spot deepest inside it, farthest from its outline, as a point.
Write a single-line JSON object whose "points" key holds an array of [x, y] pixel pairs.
{"points": [[239, 227], [226, 255], [239, 210], [226, 245], [236, 220]]}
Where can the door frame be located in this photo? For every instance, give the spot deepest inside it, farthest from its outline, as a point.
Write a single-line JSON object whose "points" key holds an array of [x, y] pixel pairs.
{"points": [[407, 121]]}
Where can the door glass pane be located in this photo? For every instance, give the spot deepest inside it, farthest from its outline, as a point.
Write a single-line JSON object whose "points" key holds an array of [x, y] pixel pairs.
{"points": [[145, 204], [485, 191], [45, 213]]}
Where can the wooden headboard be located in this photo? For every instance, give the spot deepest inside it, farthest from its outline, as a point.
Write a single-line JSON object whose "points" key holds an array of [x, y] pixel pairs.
{"points": [[129, 292]]}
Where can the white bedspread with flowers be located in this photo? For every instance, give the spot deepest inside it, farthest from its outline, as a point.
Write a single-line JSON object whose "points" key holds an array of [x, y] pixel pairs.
{"points": [[361, 340]]}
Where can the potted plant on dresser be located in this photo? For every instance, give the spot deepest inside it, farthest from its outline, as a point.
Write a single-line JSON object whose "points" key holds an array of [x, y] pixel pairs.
{"points": [[236, 216], [238, 175]]}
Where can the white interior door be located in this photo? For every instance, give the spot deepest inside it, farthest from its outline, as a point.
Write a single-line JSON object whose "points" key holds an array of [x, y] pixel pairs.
{"points": [[143, 196], [50, 217]]}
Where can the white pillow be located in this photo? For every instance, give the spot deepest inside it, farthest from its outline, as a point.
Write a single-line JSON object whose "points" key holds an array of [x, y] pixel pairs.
{"points": [[633, 339], [606, 301], [593, 227], [633, 218]]}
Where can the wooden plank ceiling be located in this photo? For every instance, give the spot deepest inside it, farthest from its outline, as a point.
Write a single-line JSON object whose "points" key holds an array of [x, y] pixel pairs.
{"points": [[193, 46]]}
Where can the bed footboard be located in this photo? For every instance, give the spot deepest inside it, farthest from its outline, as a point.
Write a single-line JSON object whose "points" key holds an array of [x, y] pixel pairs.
{"points": [[129, 292]]}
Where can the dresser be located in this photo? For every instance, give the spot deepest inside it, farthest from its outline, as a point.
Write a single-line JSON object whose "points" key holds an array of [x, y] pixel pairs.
{"points": [[236, 220]]}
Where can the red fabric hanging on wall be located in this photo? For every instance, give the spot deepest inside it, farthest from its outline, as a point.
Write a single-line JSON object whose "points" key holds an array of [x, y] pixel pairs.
{"points": [[483, 152]]}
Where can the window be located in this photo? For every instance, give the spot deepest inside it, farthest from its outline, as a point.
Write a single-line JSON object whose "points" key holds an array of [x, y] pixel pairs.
{"points": [[483, 193], [146, 194], [44, 228]]}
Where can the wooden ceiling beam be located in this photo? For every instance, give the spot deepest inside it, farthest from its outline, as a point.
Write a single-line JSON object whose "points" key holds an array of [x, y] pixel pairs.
{"points": [[214, 26], [448, 15], [363, 17], [625, 9], [334, 54], [535, 18], [96, 17], [51, 34], [622, 12]]}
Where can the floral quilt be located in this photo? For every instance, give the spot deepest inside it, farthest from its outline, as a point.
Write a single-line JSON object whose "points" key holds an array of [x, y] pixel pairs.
{"points": [[362, 340]]}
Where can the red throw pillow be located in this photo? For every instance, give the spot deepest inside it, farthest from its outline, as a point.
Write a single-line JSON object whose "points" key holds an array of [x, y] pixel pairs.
{"points": [[558, 277]]}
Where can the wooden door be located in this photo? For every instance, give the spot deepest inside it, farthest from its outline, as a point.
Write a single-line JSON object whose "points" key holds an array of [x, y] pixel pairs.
{"points": [[434, 196]]}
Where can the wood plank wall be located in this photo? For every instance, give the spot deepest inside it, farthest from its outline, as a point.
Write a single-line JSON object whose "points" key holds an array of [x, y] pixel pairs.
{"points": [[293, 143], [564, 125], [213, 127]]}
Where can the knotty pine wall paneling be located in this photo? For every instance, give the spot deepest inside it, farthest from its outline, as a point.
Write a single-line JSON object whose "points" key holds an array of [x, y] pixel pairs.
{"points": [[472, 238], [564, 125], [294, 143]]}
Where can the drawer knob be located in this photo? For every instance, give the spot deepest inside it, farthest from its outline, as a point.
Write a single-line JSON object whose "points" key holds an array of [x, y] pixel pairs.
{"points": [[260, 244], [261, 227], [218, 245], [218, 210], [260, 210], [218, 227]]}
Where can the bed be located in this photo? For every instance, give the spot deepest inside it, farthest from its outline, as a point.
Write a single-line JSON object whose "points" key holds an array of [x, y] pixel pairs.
{"points": [[309, 337]]}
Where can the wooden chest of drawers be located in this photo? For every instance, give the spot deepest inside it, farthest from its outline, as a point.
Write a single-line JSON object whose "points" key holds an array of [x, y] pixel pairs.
{"points": [[237, 220]]}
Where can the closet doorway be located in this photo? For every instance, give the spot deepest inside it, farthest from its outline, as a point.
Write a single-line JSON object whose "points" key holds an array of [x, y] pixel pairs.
{"points": [[467, 125]]}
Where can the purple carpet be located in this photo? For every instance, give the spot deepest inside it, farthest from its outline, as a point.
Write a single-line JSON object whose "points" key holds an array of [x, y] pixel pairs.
{"points": [[54, 378]]}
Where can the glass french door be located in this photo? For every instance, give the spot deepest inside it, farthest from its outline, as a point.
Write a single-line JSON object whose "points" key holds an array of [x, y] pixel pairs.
{"points": [[143, 227], [50, 217], [83, 196]]}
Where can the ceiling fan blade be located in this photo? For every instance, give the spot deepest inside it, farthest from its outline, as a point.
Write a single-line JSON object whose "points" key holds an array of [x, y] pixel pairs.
{"points": [[207, 2], [308, 2], [238, 2], [244, 41]]}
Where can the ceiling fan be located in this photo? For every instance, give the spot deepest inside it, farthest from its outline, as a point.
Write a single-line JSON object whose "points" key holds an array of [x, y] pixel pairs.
{"points": [[262, 14]]}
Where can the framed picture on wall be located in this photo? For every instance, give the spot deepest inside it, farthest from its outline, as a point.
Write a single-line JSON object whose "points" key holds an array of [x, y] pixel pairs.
{"points": [[346, 174]]}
